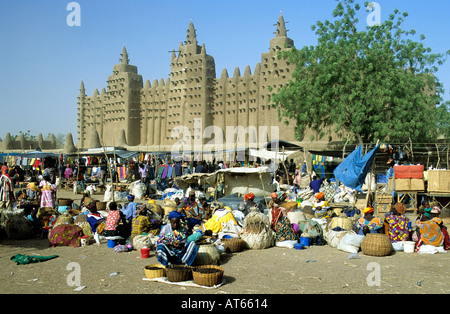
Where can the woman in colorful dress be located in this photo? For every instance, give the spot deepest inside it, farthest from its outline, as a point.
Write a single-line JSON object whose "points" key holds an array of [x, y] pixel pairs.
{"points": [[48, 191], [368, 223], [282, 226], [321, 207], [432, 230], [172, 245], [398, 229], [113, 228]]}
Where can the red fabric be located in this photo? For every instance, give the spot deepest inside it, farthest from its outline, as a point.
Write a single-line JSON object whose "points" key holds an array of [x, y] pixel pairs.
{"points": [[408, 172]]}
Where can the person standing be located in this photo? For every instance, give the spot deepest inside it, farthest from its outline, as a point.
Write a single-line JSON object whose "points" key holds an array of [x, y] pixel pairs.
{"points": [[6, 192], [48, 192]]}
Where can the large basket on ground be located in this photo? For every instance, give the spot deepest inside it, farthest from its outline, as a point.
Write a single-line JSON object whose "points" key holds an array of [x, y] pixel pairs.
{"points": [[155, 271], [234, 245], [178, 273], [208, 275], [65, 202], [376, 244], [100, 205]]}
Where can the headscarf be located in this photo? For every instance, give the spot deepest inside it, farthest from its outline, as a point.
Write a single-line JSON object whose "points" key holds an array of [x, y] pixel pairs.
{"points": [[4, 169], [435, 210], [249, 196], [319, 195], [274, 195], [174, 214], [400, 208], [368, 210]]}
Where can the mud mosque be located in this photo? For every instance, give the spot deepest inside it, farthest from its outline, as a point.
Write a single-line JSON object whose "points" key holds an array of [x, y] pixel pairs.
{"points": [[131, 112]]}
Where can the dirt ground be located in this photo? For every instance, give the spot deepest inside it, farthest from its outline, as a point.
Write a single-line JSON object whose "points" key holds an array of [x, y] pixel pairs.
{"points": [[276, 270]]}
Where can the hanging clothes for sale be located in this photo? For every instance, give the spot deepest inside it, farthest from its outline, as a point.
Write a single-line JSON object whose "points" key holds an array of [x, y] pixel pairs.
{"points": [[319, 164]]}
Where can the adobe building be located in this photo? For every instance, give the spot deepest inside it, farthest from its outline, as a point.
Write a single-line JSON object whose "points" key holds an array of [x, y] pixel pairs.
{"points": [[134, 113]]}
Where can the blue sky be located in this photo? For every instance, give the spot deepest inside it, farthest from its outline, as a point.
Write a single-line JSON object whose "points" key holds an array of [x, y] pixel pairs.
{"points": [[43, 60]]}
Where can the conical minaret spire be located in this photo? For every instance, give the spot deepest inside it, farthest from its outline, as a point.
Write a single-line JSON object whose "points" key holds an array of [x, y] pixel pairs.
{"points": [[124, 55], [281, 27], [82, 90], [191, 37]]}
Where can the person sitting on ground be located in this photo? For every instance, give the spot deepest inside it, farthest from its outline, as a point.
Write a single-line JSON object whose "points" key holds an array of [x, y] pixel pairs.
{"points": [[397, 223], [281, 225], [142, 224], [130, 208], [172, 245], [321, 207], [189, 201], [368, 223], [113, 220], [197, 213], [248, 204], [432, 230], [95, 219]]}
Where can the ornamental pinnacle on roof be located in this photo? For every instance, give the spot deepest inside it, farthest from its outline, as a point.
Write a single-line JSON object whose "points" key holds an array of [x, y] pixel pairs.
{"points": [[124, 56], [281, 27], [281, 40], [191, 37]]}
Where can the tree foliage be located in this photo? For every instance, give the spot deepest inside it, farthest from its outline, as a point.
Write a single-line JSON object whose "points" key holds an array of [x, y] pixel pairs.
{"points": [[374, 83]]}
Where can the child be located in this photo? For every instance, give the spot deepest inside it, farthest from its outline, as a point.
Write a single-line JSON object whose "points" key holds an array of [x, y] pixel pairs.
{"points": [[32, 189]]}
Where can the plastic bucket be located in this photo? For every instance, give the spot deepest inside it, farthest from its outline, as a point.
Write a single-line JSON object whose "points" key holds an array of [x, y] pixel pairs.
{"points": [[111, 243], [145, 252], [408, 246], [304, 241]]}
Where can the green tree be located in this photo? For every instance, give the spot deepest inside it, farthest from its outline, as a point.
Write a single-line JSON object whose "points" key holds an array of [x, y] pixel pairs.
{"points": [[374, 83]]}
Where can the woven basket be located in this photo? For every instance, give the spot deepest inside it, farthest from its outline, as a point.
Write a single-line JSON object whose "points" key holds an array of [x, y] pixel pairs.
{"points": [[100, 205], [208, 275], [376, 244], [290, 205], [234, 245], [177, 273], [65, 202], [155, 271], [342, 221]]}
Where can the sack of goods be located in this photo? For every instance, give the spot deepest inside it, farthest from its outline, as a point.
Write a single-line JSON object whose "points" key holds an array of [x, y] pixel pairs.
{"points": [[257, 232]]}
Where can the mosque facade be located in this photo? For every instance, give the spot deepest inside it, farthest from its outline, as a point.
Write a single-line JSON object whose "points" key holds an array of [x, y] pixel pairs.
{"points": [[191, 106]]}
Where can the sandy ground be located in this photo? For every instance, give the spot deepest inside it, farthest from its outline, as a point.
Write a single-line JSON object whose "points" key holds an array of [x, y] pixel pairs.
{"points": [[315, 270]]}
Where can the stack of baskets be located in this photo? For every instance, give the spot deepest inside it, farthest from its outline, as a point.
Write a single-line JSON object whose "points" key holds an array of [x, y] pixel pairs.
{"points": [[234, 245], [208, 275], [155, 271], [376, 244], [177, 273]]}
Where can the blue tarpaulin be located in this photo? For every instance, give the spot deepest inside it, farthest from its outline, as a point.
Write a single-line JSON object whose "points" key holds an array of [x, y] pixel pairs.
{"points": [[353, 169]]}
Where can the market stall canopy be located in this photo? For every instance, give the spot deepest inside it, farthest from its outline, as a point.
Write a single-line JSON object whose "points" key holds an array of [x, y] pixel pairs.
{"points": [[121, 153], [38, 154], [241, 180]]}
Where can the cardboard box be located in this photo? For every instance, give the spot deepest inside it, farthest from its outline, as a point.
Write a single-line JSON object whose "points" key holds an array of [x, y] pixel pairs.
{"points": [[439, 181], [413, 185], [408, 172]]}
